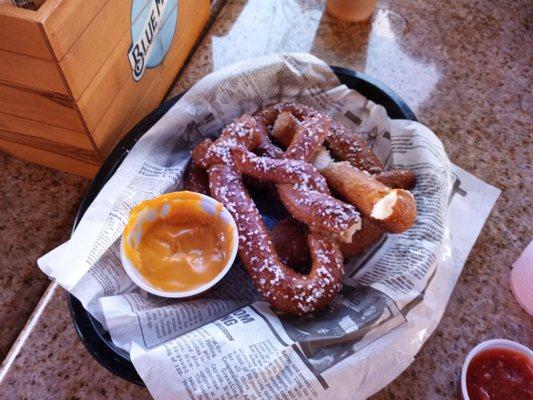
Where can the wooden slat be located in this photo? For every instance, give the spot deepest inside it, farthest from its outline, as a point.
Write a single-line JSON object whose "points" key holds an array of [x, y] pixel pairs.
{"points": [[52, 160], [126, 107], [65, 21], [19, 125], [20, 33], [31, 72], [54, 147], [103, 89], [40, 106], [87, 55]]}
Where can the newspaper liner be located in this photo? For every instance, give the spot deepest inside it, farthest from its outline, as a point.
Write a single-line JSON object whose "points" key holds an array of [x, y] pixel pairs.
{"points": [[229, 344]]}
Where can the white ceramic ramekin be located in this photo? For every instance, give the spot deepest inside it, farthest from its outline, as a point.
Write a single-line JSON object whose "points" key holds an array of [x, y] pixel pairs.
{"points": [[149, 213], [490, 344]]}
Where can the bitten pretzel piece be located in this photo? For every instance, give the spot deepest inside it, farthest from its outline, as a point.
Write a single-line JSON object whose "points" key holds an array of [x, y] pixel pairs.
{"points": [[394, 210], [282, 287], [370, 233], [290, 243]]}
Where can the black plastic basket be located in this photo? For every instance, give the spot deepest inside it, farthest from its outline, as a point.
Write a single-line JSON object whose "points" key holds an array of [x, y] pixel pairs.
{"points": [[95, 338]]}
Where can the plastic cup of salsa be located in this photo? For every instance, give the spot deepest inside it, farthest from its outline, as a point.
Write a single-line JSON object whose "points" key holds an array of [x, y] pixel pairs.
{"points": [[497, 369]]}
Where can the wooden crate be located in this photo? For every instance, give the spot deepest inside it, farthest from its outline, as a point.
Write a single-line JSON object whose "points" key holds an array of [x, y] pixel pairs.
{"points": [[71, 76]]}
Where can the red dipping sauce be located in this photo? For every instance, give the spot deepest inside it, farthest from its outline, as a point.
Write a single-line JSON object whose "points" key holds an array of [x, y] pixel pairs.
{"points": [[500, 374]]}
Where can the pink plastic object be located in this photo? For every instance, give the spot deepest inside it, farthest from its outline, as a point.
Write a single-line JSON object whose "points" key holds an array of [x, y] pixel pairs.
{"points": [[522, 279]]}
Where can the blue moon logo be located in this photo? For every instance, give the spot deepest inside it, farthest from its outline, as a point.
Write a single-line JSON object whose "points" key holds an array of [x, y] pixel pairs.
{"points": [[153, 24]]}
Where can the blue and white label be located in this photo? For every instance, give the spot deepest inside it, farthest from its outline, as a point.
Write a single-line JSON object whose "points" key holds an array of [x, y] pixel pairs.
{"points": [[153, 24]]}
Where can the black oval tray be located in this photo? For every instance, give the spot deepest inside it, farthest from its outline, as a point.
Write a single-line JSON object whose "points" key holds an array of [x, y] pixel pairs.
{"points": [[95, 338]]}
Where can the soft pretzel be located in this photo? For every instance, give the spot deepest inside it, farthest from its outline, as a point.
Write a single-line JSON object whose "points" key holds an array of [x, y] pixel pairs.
{"points": [[343, 144], [304, 192], [394, 210], [282, 287]]}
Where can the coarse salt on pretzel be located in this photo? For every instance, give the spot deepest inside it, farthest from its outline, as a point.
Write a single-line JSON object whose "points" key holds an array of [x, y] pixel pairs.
{"points": [[304, 192], [345, 145], [394, 210], [281, 286], [342, 143]]}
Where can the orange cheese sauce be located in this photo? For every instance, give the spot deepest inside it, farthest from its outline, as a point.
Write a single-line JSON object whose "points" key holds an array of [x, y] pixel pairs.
{"points": [[184, 247]]}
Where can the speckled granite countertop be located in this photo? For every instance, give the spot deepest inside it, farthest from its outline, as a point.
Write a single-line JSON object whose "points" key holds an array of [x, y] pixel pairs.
{"points": [[464, 68]]}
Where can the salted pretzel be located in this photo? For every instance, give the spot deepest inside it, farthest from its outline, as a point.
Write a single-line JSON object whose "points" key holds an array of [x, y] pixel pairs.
{"points": [[279, 121], [302, 145], [304, 192], [394, 210], [282, 287], [343, 144], [315, 208]]}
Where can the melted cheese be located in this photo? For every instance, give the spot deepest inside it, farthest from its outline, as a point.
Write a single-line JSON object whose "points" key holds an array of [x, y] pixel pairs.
{"points": [[183, 246]]}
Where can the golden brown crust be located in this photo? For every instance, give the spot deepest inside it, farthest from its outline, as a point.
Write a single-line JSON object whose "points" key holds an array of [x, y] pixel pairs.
{"points": [[356, 186], [397, 179], [403, 214], [365, 192], [305, 195]]}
